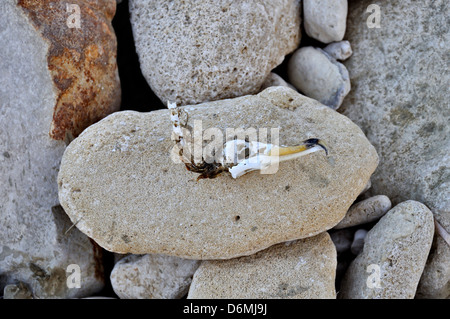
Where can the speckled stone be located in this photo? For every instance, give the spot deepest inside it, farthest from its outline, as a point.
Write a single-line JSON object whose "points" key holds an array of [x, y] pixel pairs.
{"points": [[118, 181], [398, 246], [197, 51], [303, 269]]}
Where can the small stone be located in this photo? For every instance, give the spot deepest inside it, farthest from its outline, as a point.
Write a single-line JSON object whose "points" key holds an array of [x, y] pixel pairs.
{"points": [[358, 241], [401, 102], [303, 269], [196, 51], [325, 20], [275, 80], [394, 255], [341, 50], [152, 276], [317, 75], [365, 211], [125, 157]]}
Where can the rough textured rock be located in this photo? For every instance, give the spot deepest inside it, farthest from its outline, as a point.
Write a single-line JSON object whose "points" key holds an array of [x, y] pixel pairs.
{"points": [[118, 182], [398, 246], [152, 276], [197, 51], [303, 269], [365, 211], [47, 71], [325, 20], [400, 99], [81, 61], [317, 75]]}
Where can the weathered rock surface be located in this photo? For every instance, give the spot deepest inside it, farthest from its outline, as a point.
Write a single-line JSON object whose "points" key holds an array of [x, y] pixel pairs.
{"points": [[81, 59], [325, 20], [394, 255], [152, 276], [400, 99], [317, 75], [303, 269], [197, 51], [365, 211], [118, 182], [46, 90]]}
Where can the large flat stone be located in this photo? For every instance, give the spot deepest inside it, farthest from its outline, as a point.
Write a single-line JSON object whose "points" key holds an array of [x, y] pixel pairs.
{"points": [[303, 269], [117, 181], [400, 75]]}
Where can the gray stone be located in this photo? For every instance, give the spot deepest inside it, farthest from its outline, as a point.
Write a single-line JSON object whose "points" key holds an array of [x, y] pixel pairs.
{"points": [[119, 183], [394, 255], [365, 211], [197, 51], [400, 73], [341, 50], [317, 75], [47, 96], [152, 276], [325, 20], [303, 269]]}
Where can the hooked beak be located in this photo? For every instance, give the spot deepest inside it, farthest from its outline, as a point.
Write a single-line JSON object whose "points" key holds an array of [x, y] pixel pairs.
{"points": [[308, 146]]}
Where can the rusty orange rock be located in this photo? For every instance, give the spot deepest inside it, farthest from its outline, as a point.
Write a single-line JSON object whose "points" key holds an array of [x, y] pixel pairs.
{"points": [[81, 61]]}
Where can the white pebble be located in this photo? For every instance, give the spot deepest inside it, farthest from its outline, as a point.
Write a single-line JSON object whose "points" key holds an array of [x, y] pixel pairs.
{"points": [[341, 50], [325, 20]]}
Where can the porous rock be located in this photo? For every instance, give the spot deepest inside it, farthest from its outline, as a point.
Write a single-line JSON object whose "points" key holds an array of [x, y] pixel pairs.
{"points": [[393, 257], [118, 181], [197, 51]]}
